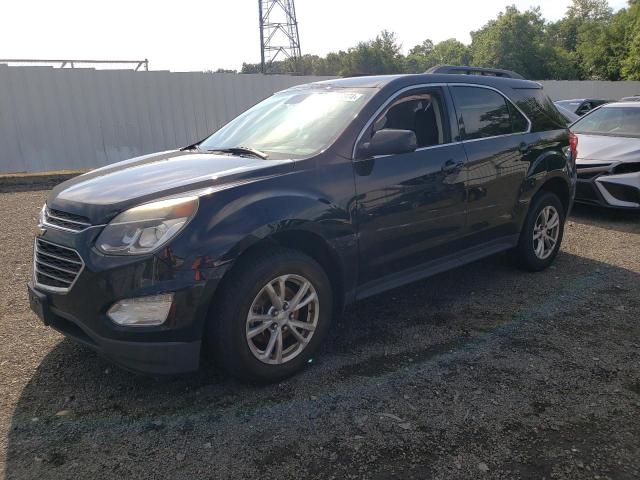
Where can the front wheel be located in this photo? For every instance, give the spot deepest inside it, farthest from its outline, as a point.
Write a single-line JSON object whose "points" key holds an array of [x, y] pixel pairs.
{"points": [[272, 315], [541, 233]]}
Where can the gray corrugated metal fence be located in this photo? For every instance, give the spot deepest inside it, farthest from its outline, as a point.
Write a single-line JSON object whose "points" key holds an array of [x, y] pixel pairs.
{"points": [[63, 119], [68, 119]]}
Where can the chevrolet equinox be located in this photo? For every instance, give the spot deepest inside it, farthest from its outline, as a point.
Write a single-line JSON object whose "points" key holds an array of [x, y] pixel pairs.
{"points": [[244, 245]]}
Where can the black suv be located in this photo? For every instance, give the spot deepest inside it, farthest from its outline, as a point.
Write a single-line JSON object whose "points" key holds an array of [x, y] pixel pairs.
{"points": [[246, 244]]}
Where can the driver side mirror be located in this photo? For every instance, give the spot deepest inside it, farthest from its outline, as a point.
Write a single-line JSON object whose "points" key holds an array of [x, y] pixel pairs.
{"points": [[389, 141]]}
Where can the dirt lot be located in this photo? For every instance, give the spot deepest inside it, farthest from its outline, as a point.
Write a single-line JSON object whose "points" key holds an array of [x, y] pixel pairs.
{"points": [[482, 372]]}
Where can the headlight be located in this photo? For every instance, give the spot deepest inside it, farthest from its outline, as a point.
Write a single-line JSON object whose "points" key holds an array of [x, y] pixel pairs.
{"points": [[147, 227]]}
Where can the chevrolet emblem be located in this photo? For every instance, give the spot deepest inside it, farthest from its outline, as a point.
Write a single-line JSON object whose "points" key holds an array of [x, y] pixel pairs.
{"points": [[40, 231]]}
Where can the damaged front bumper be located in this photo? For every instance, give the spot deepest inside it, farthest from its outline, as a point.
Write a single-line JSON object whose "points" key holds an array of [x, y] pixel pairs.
{"points": [[613, 184]]}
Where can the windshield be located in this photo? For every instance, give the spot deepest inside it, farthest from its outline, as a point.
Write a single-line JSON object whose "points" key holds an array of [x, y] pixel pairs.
{"points": [[293, 123], [615, 121]]}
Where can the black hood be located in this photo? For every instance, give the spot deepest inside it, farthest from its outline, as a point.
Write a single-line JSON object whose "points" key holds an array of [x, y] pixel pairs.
{"points": [[103, 193]]}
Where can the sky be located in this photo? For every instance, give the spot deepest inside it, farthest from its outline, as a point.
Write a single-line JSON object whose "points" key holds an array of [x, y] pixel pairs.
{"points": [[196, 35]]}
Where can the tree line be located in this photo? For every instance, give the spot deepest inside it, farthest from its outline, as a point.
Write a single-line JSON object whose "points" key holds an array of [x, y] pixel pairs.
{"points": [[590, 42]]}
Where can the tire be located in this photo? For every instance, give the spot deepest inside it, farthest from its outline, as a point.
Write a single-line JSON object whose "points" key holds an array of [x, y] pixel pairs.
{"points": [[527, 252], [246, 289]]}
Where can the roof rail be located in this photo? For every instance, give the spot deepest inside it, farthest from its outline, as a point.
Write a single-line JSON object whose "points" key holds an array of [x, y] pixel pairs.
{"points": [[466, 70]]}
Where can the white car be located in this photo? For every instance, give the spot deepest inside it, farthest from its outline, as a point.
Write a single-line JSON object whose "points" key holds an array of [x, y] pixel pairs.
{"points": [[608, 160]]}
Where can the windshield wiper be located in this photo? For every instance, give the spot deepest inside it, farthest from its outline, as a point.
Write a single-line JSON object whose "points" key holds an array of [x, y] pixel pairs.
{"points": [[240, 151]]}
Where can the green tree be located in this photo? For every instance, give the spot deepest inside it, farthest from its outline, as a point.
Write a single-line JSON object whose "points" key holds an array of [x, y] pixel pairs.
{"points": [[564, 35], [451, 52], [596, 10], [561, 64], [629, 21], [379, 56], [334, 62], [598, 51], [515, 41], [419, 58], [250, 68], [424, 49], [426, 55]]}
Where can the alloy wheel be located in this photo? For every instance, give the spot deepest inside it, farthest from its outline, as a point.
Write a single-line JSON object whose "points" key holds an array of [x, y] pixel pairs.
{"points": [[545, 232], [282, 319]]}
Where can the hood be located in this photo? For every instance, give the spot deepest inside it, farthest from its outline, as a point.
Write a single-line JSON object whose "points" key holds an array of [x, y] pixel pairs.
{"points": [[608, 148], [102, 193]]}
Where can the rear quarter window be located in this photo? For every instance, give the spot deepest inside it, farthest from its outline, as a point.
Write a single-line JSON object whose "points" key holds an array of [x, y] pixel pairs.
{"points": [[539, 108]]}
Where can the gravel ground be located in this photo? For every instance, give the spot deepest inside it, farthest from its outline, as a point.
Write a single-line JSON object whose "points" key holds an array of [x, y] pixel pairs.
{"points": [[481, 372]]}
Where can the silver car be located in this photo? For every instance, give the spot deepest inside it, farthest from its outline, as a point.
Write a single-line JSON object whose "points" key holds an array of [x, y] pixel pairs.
{"points": [[608, 160]]}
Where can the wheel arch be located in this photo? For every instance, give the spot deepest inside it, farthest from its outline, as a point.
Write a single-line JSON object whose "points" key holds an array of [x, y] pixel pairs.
{"points": [[315, 246], [555, 182], [559, 186], [299, 239]]}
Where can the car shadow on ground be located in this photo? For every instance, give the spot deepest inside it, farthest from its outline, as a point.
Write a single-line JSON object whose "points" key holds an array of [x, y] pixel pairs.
{"points": [[81, 413]]}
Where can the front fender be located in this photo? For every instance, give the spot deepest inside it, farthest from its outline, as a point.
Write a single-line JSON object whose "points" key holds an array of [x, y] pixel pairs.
{"points": [[250, 219], [229, 222]]}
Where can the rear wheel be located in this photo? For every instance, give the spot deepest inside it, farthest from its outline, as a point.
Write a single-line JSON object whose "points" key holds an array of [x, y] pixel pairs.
{"points": [[541, 233], [272, 315]]}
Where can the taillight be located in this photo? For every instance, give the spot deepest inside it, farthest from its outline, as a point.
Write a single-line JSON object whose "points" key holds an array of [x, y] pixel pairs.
{"points": [[573, 146]]}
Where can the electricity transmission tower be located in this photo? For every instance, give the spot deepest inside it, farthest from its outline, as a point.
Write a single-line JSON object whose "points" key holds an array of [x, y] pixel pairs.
{"points": [[279, 38]]}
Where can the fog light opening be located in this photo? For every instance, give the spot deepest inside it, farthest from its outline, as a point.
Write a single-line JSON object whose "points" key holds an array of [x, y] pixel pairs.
{"points": [[141, 311]]}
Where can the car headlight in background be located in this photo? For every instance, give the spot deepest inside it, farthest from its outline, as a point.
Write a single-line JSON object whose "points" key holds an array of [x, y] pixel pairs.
{"points": [[147, 227]]}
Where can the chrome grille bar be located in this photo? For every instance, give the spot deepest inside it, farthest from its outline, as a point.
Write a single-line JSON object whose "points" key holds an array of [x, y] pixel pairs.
{"points": [[55, 268], [41, 262], [65, 221], [59, 258]]}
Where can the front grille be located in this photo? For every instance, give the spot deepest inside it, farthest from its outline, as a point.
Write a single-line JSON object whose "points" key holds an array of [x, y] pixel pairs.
{"points": [[68, 221], [55, 267]]}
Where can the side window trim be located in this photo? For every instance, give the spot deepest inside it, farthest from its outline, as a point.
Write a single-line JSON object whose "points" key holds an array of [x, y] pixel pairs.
{"points": [[509, 102], [392, 98]]}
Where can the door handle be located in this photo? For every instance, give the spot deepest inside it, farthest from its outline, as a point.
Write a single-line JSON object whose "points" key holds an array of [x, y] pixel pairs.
{"points": [[451, 166]]}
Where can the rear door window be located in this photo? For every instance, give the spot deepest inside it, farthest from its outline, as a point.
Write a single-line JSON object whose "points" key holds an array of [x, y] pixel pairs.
{"points": [[486, 113]]}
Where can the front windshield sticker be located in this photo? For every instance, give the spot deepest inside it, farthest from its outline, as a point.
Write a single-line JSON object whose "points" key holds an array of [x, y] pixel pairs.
{"points": [[350, 96]]}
